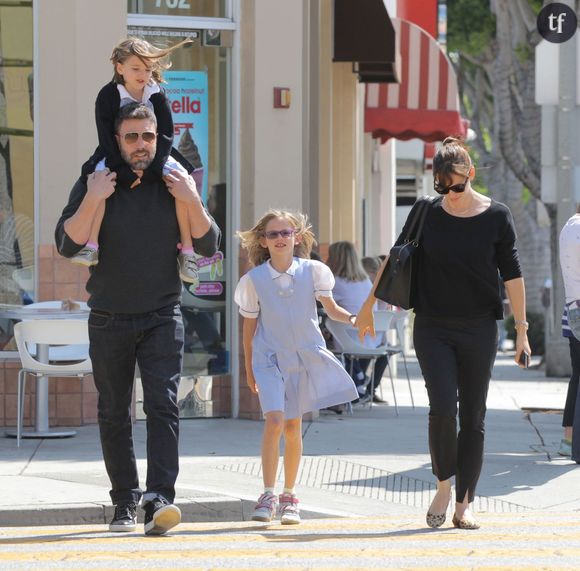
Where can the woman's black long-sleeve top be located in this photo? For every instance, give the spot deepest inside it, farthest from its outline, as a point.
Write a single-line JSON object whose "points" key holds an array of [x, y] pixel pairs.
{"points": [[459, 259]]}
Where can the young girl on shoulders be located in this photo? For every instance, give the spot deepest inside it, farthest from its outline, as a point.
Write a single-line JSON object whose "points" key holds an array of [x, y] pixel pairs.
{"points": [[138, 67], [287, 362]]}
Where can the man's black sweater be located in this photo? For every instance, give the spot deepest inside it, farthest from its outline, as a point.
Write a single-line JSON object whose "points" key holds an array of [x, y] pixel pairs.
{"points": [[459, 260], [137, 270]]}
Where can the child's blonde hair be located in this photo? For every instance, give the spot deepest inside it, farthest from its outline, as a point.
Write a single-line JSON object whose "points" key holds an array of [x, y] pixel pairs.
{"points": [[250, 239], [149, 54]]}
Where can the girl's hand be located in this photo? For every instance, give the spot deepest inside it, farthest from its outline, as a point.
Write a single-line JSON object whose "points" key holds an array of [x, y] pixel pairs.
{"points": [[522, 344], [365, 322], [251, 380]]}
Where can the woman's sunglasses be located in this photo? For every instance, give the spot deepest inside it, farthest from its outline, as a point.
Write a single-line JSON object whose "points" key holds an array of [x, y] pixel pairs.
{"points": [[446, 189], [273, 234]]}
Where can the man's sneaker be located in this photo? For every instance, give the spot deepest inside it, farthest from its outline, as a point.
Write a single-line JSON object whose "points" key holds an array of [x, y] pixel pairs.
{"points": [[265, 509], [565, 448], [188, 270], [289, 510], [86, 257], [125, 518], [160, 516]]}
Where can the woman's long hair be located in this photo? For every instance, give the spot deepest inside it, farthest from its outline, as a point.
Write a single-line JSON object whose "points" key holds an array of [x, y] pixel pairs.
{"points": [[257, 254], [344, 262]]}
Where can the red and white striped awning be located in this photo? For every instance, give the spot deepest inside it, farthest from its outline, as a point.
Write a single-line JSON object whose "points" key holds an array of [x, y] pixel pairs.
{"points": [[425, 104]]}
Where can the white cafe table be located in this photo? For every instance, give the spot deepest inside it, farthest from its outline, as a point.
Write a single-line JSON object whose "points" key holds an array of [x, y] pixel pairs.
{"points": [[23, 313]]}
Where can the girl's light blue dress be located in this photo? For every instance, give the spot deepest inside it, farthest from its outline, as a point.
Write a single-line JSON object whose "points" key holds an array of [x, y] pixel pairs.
{"points": [[294, 370]]}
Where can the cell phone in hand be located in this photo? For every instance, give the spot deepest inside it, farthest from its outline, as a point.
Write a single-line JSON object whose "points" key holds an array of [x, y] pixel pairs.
{"points": [[524, 360]]}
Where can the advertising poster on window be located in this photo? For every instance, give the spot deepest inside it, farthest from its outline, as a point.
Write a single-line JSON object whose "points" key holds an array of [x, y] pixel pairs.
{"points": [[187, 94], [188, 97]]}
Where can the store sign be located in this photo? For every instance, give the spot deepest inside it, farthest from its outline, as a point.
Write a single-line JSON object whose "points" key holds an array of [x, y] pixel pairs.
{"points": [[188, 98]]}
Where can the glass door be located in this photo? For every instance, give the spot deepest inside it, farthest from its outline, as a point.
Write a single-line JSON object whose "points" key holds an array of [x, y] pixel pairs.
{"points": [[197, 85]]}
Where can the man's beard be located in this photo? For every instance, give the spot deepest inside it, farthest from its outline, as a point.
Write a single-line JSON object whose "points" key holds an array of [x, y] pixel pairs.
{"points": [[138, 163]]}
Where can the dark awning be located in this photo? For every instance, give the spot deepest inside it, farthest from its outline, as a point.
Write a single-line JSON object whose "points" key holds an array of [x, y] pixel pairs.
{"points": [[364, 35]]}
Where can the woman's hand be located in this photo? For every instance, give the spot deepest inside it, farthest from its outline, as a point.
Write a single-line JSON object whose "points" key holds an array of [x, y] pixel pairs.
{"points": [[522, 344], [365, 321]]}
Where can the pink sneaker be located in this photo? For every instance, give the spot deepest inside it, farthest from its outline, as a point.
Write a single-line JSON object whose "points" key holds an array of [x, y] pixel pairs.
{"points": [[265, 508], [289, 510]]}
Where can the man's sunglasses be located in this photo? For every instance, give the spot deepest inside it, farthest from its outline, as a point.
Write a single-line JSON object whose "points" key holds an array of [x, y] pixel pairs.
{"points": [[132, 138], [446, 189], [273, 234]]}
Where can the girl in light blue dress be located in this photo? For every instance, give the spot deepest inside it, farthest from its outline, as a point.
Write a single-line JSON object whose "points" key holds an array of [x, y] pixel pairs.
{"points": [[286, 359]]}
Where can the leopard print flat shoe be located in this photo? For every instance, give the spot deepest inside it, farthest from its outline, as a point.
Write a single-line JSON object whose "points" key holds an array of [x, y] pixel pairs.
{"points": [[465, 523], [435, 520]]}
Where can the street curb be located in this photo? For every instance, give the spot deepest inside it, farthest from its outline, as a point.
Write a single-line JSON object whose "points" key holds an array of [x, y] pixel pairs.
{"points": [[207, 509]]}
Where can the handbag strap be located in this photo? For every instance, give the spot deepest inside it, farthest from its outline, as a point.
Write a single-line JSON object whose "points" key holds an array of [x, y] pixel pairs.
{"points": [[418, 221]]}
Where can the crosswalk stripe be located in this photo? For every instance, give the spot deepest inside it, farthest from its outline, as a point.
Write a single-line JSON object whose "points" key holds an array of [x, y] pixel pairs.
{"points": [[268, 535], [293, 553], [548, 520]]}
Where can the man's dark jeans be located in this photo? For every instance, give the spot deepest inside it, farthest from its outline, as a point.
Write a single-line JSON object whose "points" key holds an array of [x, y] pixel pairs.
{"points": [[155, 341]]}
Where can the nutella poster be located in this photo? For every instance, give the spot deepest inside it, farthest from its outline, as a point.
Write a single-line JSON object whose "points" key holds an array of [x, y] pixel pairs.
{"points": [[187, 94]]}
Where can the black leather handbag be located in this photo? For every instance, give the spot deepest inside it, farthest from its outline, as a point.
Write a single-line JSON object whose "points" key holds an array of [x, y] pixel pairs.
{"points": [[397, 280]]}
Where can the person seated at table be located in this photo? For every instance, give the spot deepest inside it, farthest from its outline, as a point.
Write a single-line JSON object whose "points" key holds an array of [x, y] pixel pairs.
{"points": [[352, 286]]}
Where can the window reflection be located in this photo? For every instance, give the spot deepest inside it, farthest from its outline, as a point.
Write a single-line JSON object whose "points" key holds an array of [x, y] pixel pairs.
{"points": [[17, 250]]}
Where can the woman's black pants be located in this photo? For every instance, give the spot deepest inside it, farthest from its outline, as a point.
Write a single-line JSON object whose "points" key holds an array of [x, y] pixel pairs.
{"points": [[456, 358], [569, 408]]}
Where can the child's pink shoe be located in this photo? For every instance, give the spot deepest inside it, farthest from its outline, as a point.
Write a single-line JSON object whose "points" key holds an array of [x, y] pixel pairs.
{"points": [[265, 509], [289, 510]]}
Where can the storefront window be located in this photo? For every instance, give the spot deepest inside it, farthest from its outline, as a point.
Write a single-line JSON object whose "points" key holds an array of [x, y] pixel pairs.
{"points": [[197, 86], [16, 158], [198, 8]]}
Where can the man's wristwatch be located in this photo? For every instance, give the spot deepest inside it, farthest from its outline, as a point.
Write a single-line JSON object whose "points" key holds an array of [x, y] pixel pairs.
{"points": [[352, 318]]}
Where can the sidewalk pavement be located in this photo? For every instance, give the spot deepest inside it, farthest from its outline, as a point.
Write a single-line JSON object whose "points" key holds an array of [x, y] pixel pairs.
{"points": [[373, 463]]}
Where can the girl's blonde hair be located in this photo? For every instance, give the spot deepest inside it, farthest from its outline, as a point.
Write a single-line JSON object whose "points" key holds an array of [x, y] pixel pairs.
{"points": [[452, 157], [250, 239], [149, 54], [344, 262]]}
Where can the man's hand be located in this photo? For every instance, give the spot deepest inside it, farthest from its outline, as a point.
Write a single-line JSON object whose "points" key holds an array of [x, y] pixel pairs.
{"points": [[181, 186], [101, 184]]}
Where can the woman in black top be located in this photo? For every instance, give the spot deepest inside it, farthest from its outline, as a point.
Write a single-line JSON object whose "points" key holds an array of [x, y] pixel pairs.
{"points": [[468, 241]]}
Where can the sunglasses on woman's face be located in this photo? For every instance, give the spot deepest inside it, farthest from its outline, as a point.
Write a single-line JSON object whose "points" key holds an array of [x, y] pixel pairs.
{"points": [[446, 189], [273, 234]]}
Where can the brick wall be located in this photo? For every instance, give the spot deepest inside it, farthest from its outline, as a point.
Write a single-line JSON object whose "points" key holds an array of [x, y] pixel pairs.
{"points": [[71, 402]]}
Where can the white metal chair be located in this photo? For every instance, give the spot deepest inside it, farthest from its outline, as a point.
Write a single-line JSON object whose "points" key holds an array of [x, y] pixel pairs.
{"points": [[350, 346], [48, 332], [76, 352], [398, 321]]}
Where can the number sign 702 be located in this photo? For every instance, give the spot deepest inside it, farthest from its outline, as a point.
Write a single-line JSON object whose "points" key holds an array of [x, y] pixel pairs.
{"points": [[183, 4]]}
